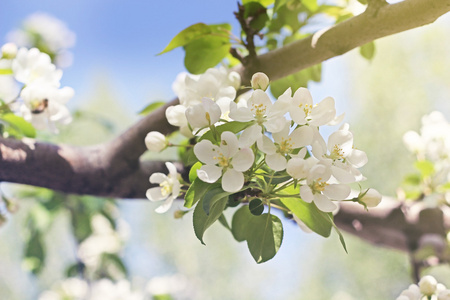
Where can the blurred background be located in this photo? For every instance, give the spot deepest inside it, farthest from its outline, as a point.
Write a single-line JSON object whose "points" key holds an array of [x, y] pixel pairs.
{"points": [[115, 73]]}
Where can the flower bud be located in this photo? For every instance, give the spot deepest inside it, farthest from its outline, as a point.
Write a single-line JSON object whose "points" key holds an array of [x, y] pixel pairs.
{"points": [[372, 198], [260, 81], [427, 285], [156, 141], [9, 50]]}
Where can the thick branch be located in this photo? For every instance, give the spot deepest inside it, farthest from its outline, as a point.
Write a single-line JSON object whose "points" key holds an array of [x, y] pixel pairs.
{"points": [[339, 39]]}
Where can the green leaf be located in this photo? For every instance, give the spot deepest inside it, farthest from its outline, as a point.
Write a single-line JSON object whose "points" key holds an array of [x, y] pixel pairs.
{"points": [[425, 167], [205, 52], [363, 1], [412, 179], [34, 253], [264, 236], [187, 35], [239, 223], [257, 14], [256, 207], [224, 222], [311, 5], [18, 125], [262, 2], [278, 4], [315, 219], [151, 107], [367, 50], [193, 171], [202, 221], [233, 126], [6, 71], [297, 80], [212, 196], [341, 237], [196, 191]]}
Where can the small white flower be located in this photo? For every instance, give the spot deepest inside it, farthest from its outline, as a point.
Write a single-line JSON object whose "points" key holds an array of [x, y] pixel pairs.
{"points": [[226, 161], [155, 141], [205, 114], [427, 285], [444, 295], [319, 190], [372, 198], [168, 190], [260, 81], [33, 66], [302, 110], [412, 293], [279, 150]]}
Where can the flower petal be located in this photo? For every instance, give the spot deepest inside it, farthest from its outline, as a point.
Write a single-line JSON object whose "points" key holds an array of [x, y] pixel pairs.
{"points": [[337, 191], [158, 178], [243, 160], [323, 203], [266, 145], [165, 206], [357, 158], [154, 194], [250, 135], [241, 114], [232, 181], [229, 144], [209, 173], [306, 193], [276, 162], [301, 137], [205, 151]]}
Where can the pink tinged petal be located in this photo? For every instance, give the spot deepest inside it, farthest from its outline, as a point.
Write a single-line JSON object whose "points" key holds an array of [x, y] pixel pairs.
{"points": [[229, 144], [343, 139], [209, 173], [243, 160], [158, 178], [275, 124], [266, 145], [154, 194], [276, 162], [357, 158], [165, 206], [250, 135], [241, 114], [301, 137], [297, 168], [323, 203], [323, 113], [337, 191], [282, 134], [205, 151], [232, 181], [306, 193]]}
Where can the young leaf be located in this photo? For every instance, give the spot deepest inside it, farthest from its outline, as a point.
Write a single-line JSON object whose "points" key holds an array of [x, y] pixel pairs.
{"points": [[196, 191], [151, 107], [425, 167], [205, 52], [278, 4], [264, 237], [18, 125], [239, 223], [262, 2], [202, 221], [212, 196], [224, 222], [367, 50], [193, 171], [187, 35], [341, 237], [315, 219], [6, 72], [256, 207]]}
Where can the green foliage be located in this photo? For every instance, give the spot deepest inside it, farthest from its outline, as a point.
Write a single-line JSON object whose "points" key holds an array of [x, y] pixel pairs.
{"points": [[262, 2], [202, 220], [34, 258], [297, 80], [256, 13], [205, 53], [196, 191], [263, 233], [425, 167], [6, 72], [256, 207], [16, 126], [151, 107], [367, 50], [233, 126], [308, 213]]}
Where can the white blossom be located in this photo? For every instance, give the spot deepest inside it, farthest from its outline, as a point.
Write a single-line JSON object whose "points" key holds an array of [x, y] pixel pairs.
{"points": [[9, 50], [372, 198], [226, 161], [260, 81], [204, 114], [302, 110], [168, 190], [156, 141], [428, 285]]}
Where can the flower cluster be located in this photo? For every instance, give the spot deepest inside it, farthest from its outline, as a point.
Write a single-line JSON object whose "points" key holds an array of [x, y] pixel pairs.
{"points": [[241, 141], [428, 288], [30, 87], [432, 148]]}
